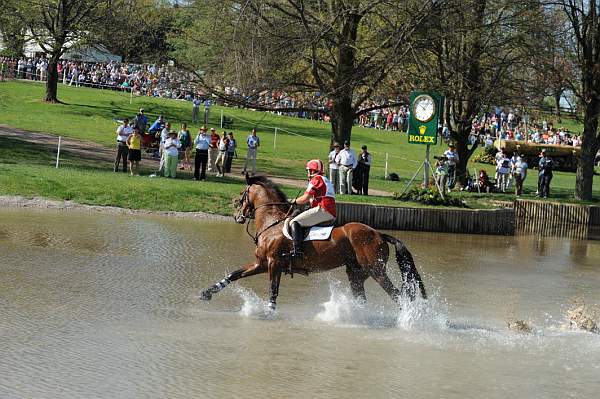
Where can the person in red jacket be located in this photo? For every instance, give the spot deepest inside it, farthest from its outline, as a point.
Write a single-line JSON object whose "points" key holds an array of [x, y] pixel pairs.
{"points": [[321, 196]]}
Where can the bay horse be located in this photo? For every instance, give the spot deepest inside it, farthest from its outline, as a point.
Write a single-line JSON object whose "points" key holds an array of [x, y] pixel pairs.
{"points": [[361, 249]]}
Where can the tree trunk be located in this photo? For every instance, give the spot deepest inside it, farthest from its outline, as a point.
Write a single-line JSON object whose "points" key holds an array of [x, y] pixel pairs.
{"points": [[52, 82], [342, 119], [464, 152], [589, 148], [557, 95]]}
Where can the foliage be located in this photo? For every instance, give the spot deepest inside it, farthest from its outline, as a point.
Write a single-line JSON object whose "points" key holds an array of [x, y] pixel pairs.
{"points": [[429, 196], [488, 155], [12, 30]]}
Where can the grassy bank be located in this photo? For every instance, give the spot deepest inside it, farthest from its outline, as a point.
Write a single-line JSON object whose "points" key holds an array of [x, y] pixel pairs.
{"points": [[88, 114]]}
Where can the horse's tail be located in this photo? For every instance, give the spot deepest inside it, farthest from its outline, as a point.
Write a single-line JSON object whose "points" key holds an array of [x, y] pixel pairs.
{"points": [[410, 275]]}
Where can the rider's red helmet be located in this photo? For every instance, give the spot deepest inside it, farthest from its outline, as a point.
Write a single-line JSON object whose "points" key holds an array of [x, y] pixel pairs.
{"points": [[315, 165]]}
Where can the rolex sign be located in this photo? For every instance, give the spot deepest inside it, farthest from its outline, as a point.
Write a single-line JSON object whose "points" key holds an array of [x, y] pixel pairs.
{"points": [[425, 111]]}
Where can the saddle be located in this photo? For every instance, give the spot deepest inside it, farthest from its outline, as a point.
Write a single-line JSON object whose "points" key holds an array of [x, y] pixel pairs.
{"points": [[319, 232]]}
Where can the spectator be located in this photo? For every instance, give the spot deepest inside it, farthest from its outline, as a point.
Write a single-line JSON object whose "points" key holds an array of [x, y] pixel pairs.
{"points": [[134, 143], [195, 109], [334, 169], [364, 165], [207, 105], [546, 165], [141, 121], [202, 143], [347, 162], [222, 156], [230, 152], [452, 157], [441, 172], [171, 154], [502, 171], [164, 135], [123, 133], [253, 142], [519, 172], [186, 146], [213, 149]]}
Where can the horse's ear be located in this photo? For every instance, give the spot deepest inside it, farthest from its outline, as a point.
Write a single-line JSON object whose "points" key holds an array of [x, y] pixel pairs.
{"points": [[247, 178]]}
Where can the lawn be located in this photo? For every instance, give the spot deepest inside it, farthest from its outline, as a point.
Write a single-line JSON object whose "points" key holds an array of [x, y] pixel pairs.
{"points": [[89, 114]]}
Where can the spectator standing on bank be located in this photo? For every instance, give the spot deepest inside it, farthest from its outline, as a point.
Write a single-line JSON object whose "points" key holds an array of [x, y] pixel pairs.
{"points": [[186, 146], [213, 149], [207, 105], [171, 154], [164, 135], [452, 157], [441, 172], [519, 173], [202, 142], [230, 152], [253, 142], [141, 121], [134, 143], [347, 162], [196, 109], [364, 163], [123, 132], [502, 171], [546, 166], [334, 169], [222, 156]]}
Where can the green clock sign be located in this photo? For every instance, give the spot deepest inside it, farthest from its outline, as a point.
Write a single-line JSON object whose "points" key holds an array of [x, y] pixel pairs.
{"points": [[425, 111]]}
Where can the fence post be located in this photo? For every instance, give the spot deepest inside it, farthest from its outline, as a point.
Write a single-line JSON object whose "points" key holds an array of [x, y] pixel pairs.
{"points": [[58, 152], [275, 139], [221, 119], [131, 96], [386, 166]]}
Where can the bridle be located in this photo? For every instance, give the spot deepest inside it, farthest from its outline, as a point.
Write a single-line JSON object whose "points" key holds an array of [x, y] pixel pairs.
{"points": [[241, 218]]}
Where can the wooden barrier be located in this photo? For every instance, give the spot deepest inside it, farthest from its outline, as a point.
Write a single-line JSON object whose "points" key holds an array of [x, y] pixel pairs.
{"points": [[524, 217], [555, 219], [467, 221]]}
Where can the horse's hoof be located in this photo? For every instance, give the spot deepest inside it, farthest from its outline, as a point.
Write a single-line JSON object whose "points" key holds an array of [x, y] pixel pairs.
{"points": [[206, 296], [272, 306]]}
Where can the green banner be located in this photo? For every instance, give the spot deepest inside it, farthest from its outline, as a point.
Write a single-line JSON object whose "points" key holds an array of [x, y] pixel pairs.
{"points": [[425, 111]]}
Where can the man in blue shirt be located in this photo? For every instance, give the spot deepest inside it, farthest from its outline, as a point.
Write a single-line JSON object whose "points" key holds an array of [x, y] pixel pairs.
{"points": [[253, 142], [202, 142]]}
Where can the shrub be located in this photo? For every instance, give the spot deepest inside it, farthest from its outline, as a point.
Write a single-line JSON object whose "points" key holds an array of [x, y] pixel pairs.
{"points": [[429, 196]]}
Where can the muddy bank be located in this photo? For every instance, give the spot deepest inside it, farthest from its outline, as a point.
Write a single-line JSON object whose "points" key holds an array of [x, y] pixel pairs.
{"points": [[8, 201]]}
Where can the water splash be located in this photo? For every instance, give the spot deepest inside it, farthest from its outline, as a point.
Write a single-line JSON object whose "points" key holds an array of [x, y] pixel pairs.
{"points": [[252, 304]]}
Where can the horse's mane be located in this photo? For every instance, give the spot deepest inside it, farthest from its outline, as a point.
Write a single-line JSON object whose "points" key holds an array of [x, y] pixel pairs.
{"points": [[269, 185]]}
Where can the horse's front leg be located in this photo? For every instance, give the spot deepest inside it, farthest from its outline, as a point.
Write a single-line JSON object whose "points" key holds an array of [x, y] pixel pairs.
{"points": [[275, 279], [246, 271]]}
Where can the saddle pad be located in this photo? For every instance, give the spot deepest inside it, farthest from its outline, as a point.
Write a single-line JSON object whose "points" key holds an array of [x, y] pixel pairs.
{"points": [[316, 233]]}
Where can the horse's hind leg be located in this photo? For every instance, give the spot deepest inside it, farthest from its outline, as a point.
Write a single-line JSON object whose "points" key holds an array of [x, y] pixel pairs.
{"points": [[357, 278], [247, 271], [379, 274]]}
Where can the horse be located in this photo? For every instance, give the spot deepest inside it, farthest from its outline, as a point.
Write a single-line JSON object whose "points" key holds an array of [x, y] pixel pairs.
{"points": [[361, 249]]}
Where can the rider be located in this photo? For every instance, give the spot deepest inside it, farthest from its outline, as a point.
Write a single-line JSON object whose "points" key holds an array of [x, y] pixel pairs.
{"points": [[321, 195]]}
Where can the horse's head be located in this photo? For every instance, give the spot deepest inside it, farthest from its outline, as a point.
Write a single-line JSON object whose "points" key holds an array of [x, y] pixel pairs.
{"points": [[258, 193], [244, 206]]}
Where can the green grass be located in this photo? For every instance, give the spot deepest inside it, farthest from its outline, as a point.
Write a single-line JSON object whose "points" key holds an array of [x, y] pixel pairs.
{"points": [[88, 114]]}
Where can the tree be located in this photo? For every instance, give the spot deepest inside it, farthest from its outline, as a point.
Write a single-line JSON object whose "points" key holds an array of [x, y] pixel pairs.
{"points": [[137, 30], [584, 23], [12, 30], [477, 54], [53, 24], [332, 55]]}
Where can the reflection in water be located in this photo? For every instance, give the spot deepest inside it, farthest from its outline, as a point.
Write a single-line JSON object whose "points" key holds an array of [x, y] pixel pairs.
{"points": [[107, 307]]}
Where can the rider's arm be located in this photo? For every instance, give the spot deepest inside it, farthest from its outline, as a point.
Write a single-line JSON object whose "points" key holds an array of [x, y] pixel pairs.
{"points": [[304, 199]]}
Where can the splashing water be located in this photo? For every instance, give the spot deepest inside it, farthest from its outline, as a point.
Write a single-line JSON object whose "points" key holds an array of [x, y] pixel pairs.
{"points": [[252, 305]]}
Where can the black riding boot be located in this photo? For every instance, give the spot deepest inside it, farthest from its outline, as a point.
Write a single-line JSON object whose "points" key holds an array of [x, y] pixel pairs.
{"points": [[298, 237]]}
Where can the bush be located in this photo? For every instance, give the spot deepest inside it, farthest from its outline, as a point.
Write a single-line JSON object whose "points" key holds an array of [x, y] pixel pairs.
{"points": [[487, 156], [429, 196]]}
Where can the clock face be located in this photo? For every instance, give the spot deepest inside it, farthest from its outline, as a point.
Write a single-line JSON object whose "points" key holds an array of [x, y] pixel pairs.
{"points": [[424, 108]]}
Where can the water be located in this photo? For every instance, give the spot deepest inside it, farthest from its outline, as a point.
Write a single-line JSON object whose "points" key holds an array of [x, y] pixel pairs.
{"points": [[101, 306]]}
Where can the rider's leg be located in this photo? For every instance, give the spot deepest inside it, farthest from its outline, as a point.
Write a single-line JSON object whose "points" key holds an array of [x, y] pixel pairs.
{"points": [[306, 219], [297, 237]]}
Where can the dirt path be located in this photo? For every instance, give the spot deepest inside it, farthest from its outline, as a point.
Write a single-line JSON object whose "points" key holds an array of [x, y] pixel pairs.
{"points": [[98, 152]]}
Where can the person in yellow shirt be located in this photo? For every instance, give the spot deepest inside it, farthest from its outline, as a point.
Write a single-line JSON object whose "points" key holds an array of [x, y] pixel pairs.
{"points": [[134, 142]]}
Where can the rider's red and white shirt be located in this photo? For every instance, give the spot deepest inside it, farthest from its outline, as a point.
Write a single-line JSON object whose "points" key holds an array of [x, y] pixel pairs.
{"points": [[323, 192]]}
